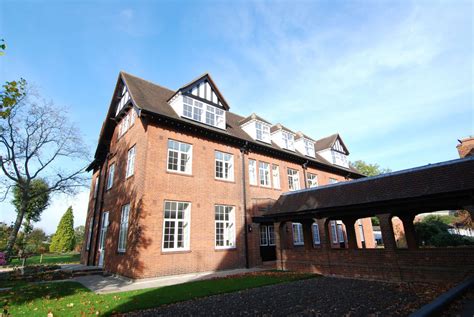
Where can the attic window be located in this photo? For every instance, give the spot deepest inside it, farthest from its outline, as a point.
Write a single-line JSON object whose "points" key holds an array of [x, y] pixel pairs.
{"points": [[124, 98], [202, 112], [262, 132], [309, 148], [288, 141]]}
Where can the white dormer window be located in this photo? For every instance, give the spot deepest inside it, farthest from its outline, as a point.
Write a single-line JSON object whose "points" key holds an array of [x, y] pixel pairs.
{"points": [[339, 159], [288, 141], [262, 131], [125, 97], [201, 112], [309, 148]]}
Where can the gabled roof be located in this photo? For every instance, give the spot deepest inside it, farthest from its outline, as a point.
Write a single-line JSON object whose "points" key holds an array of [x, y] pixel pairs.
{"points": [[151, 99], [279, 126], [328, 142], [300, 135], [204, 77], [253, 116]]}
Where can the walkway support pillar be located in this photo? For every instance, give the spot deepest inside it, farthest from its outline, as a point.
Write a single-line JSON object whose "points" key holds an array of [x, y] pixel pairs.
{"points": [[350, 231], [409, 228], [387, 231]]}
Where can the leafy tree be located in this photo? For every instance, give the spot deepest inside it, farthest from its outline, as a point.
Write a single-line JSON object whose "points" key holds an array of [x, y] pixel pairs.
{"points": [[35, 242], [369, 169], [433, 231], [64, 239], [37, 141], [4, 233], [12, 93], [3, 47], [79, 234]]}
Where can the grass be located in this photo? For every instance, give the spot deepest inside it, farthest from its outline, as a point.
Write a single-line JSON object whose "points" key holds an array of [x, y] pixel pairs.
{"points": [[49, 259], [72, 299]]}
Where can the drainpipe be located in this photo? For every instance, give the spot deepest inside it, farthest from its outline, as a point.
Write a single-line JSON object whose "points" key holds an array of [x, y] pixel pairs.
{"points": [[305, 167], [244, 150]]}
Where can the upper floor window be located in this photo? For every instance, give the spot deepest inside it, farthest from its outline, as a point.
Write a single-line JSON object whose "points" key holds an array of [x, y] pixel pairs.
{"points": [[309, 148], [96, 185], [312, 180], [202, 112], [122, 241], [176, 226], [262, 131], [293, 179], [179, 156], [130, 162], [124, 98], [225, 226], [127, 122], [276, 176], [110, 179], [339, 158], [224, 166], [252, 172], [264, 173], [288, 140], [298, 238]]}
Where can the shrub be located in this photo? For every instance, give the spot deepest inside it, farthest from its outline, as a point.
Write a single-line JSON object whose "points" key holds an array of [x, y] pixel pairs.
{"points": [[3, 260]]}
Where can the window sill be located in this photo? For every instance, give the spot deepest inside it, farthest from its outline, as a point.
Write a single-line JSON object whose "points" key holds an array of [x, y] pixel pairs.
{"points": [[175, 251], [225, 249], [224, 180], [264, 186], [179, 173], [121, 252], [298, 245]]}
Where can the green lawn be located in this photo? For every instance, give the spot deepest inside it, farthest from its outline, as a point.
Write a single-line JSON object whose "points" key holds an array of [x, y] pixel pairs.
{"points": [[49, 259], [72, 299]]}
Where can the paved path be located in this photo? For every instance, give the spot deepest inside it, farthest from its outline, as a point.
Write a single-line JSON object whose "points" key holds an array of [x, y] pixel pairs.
{"points": [[113, 284], [322, 296]]}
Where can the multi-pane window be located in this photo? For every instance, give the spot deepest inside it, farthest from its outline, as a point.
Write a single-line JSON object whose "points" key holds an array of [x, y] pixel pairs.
{"points": [[333, 231], [179, 156], [262, 131], [316, 238], [192, 109], [215, 117], [309, 148], [298, 234], [264, 173], [123, 232], [96, 186], [340, 232], [288, 140], [332, 181], [125, 97], [110, 179], [176, 225], [339, 158], [224, 165], [127, 122], [312, 180], [267, 235], [293, 179], [225, 226], [253, 172], [130, 162], [276, 176], [89, 235]]}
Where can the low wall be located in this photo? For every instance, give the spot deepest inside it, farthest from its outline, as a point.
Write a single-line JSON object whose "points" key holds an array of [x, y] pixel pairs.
{"points": [[421, 265]]}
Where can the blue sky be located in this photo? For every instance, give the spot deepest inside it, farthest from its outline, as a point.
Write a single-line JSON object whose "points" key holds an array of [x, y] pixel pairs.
{"points": [[395, 79]]}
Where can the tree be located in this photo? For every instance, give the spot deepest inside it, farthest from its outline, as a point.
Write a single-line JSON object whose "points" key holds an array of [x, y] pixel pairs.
{"points": [[3, 47], [37, 141], [369, 169], [64, 239], [79, 233], [13, 92], [35, 242]]}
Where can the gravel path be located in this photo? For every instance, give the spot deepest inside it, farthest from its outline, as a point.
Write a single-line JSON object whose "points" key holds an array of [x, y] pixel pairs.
{"points": [[322, 296]]}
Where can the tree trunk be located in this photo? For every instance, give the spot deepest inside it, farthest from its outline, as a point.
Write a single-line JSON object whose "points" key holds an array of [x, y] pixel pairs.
{"points": [[16, 228]]}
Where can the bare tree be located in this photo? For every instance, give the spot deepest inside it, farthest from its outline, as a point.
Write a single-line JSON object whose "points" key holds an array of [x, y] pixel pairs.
{"points": [[38, 141]]}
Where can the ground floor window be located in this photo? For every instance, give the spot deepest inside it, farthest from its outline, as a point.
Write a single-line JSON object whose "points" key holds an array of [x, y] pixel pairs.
{"points": [[225, 226], [316, 238], [122, 242], [267, 235], [89, 236], [298, 234], [176, 226], [340, 232], [333, 231]]}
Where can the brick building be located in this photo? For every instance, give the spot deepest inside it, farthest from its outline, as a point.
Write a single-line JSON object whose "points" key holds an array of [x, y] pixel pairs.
{"points": [[179, 182]]}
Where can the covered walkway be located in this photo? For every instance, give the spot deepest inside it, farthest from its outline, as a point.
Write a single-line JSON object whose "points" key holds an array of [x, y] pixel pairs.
{"points": [[443, 186]]}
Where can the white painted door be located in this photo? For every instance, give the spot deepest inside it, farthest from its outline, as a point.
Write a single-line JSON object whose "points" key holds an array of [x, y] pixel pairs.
{"points": [[103, 234]]}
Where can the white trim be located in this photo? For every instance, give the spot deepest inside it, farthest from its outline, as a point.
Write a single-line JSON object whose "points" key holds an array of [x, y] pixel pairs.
{"points": [[253, 179], [276, 176], [110, 177], [123, 235], [188, 167], [228, 233], [298, 235], [264, 170], [186, 226], [226, 160]]}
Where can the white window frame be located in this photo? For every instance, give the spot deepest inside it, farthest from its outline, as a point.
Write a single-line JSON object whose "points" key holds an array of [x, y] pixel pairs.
{"points": [[298, 236], [252, 172], [186, 224], [288, 140], [179, 152], [312, 180], [196, 111], [228, 226], [316, 235], [263, 236], [227, 161], [130, 162], [340, 233], [276, 176], [262, 132], [96, 186], [293, 179], [309, 147], [334, 232], [271, 235], [203, 112], [123, 232], [264, 174], [125, 97], [89, 235], [333, 180], [110, 178]]}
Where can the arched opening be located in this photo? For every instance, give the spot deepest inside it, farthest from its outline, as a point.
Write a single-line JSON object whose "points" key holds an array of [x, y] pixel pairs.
{"points": [[399, 233], [337, 234], [365, 233]]}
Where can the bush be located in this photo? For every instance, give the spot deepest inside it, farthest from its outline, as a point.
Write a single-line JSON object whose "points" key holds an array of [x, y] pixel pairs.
{"points": [[433, 231], [3, 260]]}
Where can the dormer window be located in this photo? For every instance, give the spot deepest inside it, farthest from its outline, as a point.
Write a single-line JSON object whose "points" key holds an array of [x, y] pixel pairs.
{"points": [[215, 117], [288, 141], [309, 148], [124, 98], [339, 158], [262, 131], [202, 112], [192, 109]]}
